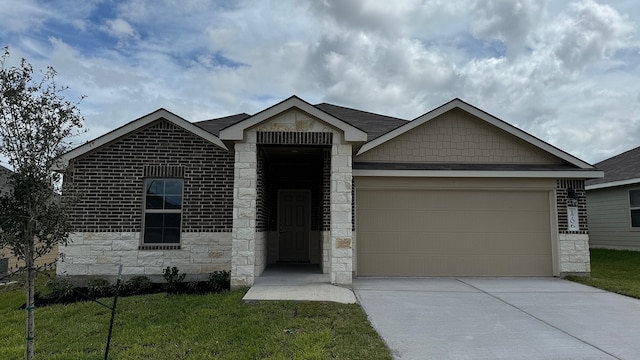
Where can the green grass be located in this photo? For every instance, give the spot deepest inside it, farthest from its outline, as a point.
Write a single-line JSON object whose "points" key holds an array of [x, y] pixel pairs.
{"points": [[614, 270], [215, 326]]}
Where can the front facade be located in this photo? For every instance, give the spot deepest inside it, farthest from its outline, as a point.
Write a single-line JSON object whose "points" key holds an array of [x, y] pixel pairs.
{"points": [[614, 203], [453, 192]]}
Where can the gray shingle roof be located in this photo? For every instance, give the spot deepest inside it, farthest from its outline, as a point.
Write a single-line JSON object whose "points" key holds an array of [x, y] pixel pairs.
{"points": [[624, 166], [373, 124], [215, 125]]}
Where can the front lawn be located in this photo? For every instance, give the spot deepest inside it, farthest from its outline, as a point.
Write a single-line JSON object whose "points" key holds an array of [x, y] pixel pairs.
{"points": [[214, 326], [614, 270]]}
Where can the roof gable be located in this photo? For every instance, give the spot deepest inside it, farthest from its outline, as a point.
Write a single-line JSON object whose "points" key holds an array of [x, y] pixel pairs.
{"points": [[482, 116], [236, 131], [457, 137], [133, 126]]}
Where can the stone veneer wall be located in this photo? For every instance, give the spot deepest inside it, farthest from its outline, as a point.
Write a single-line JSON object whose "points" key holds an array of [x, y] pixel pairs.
{"points": [[341, 221], [101, 253], [108, 218], [573, 245], [243, 249]]}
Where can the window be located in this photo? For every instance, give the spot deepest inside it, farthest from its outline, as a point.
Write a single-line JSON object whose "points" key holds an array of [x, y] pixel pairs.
{"points": [[162, 211], [634, 205]]}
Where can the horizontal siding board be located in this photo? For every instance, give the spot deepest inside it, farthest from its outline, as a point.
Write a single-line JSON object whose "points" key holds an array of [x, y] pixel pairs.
{"points": [[609, 219]]}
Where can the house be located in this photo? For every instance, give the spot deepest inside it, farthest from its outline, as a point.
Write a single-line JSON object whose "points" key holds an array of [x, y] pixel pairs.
{"points": [[453, 192], [8, 262], [613, 203]]}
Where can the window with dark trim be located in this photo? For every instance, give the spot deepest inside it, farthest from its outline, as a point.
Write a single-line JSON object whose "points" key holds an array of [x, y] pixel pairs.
{"points": [[162, 211], [634, 207]]}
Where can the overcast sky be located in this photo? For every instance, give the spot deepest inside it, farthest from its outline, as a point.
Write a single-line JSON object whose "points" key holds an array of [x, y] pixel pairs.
{"points": [[565, 71]]}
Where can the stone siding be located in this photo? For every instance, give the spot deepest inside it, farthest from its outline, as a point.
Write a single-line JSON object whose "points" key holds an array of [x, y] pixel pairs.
{"points": [[100, 254], [574, 254], [341, 215], [243, 267]]}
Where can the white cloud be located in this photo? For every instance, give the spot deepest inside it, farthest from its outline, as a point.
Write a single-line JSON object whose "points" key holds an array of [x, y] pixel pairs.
{"points": [[510, 21], [589, 32], [20, 16], [570, 76], [120, 29]]}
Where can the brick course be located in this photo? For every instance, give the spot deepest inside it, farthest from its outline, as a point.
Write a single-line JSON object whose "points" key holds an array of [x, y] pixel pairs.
{"points": [[110, 181]]}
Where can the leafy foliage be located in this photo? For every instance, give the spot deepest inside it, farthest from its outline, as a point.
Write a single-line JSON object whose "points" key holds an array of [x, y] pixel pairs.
{"points": [[219, 280], [99, 287], [60, 288], [137, 285], [173, 279], [35, 121]]}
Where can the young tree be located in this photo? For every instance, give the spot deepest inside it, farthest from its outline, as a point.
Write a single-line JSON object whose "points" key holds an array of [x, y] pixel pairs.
{"points": [[35, 123]]}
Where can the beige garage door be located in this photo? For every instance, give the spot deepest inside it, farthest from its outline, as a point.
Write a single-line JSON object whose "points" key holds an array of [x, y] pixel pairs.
{"points": [[453, 233]]}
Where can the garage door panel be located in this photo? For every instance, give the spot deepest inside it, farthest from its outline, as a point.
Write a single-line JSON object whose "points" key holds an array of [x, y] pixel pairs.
{"points": [[455, 265], [464, 220], [476, 243], [452, 200], [453, 233]]}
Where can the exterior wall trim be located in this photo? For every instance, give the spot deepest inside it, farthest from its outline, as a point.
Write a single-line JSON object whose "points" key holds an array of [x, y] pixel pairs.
{"points": [[613, 184], [581, 174]]}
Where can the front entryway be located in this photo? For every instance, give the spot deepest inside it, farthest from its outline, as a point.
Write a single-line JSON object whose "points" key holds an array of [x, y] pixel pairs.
{"points": [[294, 226]]}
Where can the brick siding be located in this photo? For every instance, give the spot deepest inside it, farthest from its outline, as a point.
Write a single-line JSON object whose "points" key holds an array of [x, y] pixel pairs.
{"points": [[561, 197], [110, 180]]}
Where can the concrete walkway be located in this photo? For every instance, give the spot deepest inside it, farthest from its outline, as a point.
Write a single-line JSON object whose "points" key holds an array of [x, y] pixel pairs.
{"points": [[500, 318], [297, 282]]}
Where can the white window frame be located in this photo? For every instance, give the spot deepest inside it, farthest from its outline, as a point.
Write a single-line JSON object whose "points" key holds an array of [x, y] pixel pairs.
{"points": [[633, 208], [146, 211]]}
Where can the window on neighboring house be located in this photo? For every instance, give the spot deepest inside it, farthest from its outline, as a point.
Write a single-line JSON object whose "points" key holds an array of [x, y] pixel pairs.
{"points": [[634, 204], [162, 211]]}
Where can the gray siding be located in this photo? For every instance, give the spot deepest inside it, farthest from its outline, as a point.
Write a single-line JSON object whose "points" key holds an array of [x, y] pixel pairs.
{"points": [[609, 222]]}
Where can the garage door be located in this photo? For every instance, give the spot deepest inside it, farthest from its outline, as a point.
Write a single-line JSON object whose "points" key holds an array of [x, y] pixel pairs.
{"points": [[453, 232]]}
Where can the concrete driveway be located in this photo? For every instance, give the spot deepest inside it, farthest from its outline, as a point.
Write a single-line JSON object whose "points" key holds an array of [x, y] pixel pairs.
{"points": [[500, 318]]}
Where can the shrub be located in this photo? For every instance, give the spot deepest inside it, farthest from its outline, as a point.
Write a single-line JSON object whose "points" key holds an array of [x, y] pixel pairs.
{"points": [[172, 278], [60, 288], [137, 285], [99, 287], [219, 280]]}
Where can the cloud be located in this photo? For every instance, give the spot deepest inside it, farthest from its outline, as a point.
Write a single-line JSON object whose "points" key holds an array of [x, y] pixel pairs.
{"points": [[565, 71], [20, 16], [510, 21], [120, 29], [590, 31]]}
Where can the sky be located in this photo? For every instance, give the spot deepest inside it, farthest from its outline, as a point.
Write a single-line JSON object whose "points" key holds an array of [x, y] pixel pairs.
{"points": [[567, 72]]}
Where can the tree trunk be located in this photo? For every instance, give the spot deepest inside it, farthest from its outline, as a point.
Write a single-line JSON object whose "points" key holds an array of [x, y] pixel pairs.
{"points": [[30, 307]]}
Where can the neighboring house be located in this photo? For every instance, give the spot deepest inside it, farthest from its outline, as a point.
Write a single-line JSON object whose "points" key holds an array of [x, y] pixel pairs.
{"points": [[6, 257], [614, 203], [455, 192]]}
